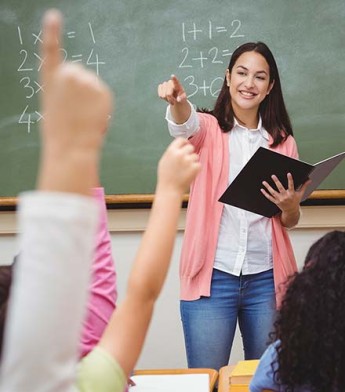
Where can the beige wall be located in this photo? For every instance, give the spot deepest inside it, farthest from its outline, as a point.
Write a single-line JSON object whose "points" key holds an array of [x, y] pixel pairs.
{"points": [[164, 346]]}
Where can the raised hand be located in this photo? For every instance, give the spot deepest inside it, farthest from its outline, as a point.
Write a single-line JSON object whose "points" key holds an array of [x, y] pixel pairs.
{"points": [[76, 105], [178, 166], [74, 99], [125, 335], [172, 91]]}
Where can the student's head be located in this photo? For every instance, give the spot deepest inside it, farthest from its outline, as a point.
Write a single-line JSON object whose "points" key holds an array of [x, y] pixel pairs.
{"points": [[311, 322], [5, 284], [252, 83]]}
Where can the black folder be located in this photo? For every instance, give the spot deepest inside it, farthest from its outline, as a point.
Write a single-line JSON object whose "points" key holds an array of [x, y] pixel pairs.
{"points": [[244, 192]]}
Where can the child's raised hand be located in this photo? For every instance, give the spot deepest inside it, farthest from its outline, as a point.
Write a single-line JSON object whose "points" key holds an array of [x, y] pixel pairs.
{"points": [[178, 166], [172, 91], [76, 103]]}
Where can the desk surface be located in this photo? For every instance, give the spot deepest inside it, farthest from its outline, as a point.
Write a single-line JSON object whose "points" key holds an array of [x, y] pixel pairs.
{"points": [[213, 374]]}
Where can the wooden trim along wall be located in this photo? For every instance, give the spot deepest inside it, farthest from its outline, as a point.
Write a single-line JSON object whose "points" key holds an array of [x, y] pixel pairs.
{"points": [[332, 194]]}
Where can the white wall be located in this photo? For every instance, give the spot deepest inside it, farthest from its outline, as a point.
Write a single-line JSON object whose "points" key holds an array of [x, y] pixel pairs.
{"points": [[164, 347]]}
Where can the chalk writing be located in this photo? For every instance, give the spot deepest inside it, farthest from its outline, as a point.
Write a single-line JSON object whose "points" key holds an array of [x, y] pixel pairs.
{"points": [[200, 51], [30, 63]]}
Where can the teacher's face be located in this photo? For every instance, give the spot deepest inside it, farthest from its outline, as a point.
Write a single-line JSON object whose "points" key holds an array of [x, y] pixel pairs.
{"points": [[249, 81]]}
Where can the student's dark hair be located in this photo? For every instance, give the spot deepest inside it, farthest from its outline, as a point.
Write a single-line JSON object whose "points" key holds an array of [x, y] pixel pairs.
{"points": [[311, 321], [5, 285], [275, 118]]}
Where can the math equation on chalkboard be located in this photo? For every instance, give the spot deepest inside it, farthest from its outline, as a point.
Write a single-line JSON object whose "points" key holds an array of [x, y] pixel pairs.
{"points": [[30, 63], [193, 59]]}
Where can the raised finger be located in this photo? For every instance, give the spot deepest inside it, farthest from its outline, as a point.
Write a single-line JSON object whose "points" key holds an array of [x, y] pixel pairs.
{"points": [[50, 47], [178, 86]]}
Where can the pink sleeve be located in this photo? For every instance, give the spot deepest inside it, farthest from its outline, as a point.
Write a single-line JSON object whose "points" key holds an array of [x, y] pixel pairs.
{"points": [[205, 123], [289, 147], [102, 287], [293, 153]]}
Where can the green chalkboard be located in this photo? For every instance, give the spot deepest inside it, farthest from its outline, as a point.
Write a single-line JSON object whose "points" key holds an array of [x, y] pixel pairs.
{"points": [[134, 45]]}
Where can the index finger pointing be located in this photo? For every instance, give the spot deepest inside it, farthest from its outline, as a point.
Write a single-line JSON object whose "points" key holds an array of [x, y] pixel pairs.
{"points": [[177, 83], [50, 47]]}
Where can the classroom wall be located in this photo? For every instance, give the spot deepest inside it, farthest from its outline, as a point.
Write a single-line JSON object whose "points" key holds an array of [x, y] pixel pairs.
{"points": [[164, 347]]}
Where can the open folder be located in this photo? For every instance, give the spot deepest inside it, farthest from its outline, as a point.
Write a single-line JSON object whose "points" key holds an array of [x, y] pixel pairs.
{"points": [[244, 192]]}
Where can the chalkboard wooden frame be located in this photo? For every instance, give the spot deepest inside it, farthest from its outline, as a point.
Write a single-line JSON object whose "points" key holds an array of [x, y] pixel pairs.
{"points": [[140, 201]]}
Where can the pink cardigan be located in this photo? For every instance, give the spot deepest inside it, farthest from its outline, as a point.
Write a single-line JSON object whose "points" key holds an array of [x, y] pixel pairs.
{"points": [[102, 287], [205, 211]]}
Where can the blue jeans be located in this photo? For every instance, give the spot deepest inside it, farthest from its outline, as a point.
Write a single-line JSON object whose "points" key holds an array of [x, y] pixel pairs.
{"points": [[209, 323]]}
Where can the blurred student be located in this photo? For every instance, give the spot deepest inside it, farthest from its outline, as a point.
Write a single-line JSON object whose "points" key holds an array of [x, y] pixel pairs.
{"points": [[58, 223], [102, 293], [308, 352]]}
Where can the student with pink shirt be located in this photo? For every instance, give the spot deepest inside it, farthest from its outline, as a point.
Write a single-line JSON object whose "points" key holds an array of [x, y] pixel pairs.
{"points": [[57, 226], [233, 261], [102, 287], [102, 293]]}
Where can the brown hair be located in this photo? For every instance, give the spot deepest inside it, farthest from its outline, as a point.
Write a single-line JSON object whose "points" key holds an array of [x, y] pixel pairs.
{"points": [[275, 118]]}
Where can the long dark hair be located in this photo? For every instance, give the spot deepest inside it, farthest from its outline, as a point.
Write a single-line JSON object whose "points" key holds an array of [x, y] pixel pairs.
{"points": [[311, 322], [275, 118]]}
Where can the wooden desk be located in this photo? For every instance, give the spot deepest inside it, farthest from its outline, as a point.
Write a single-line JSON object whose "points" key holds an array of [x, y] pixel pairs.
{"points": [[213, 374], [224, 378]]}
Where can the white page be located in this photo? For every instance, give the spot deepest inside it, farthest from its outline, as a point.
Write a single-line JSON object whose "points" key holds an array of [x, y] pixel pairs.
{"points": [[321, 171], [171, 383]]}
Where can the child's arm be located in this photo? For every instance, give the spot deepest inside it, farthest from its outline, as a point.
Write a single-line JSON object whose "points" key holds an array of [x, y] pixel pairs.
{"points": [[57, 226], [76, 105], [125, 335], [102, 287]]}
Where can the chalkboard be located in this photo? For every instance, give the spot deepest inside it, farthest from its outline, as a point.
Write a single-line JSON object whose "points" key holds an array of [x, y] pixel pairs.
{"points": [[134, 45]]}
